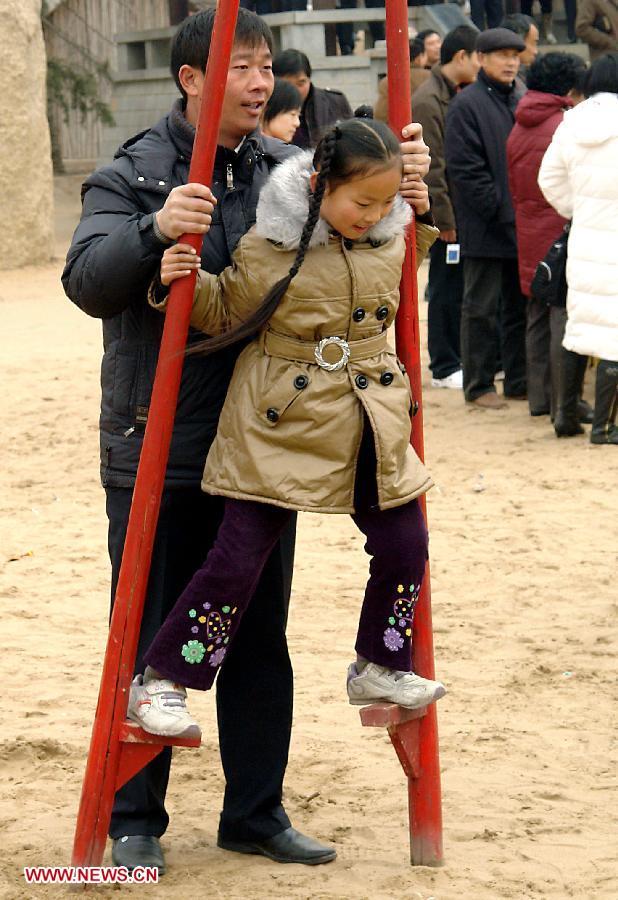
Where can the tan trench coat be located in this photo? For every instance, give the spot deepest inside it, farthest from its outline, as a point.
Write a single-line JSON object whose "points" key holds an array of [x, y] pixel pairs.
{"points": [[290, 431]]}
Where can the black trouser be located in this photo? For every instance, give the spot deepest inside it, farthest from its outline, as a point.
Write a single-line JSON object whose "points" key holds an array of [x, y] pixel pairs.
{"points": [[261, 7], [493, 10], [570, 8], [546, 7], [345, 30], [492, 294], [544, 333], [444, 314], [254, 689]]}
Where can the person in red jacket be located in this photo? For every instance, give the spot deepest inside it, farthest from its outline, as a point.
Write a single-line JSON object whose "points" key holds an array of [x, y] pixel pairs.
{"points": [[551, 79]]}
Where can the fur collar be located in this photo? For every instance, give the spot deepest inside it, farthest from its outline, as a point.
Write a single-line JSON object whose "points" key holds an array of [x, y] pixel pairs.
{"points": [[284, 203]]}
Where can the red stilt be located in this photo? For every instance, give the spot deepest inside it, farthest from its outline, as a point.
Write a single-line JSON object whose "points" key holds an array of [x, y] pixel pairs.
{"points": [[415, 738], [119, 750]]}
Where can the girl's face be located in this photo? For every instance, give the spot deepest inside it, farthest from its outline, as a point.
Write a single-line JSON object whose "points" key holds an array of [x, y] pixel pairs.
{"points": [[283, 125], [354, 206]]}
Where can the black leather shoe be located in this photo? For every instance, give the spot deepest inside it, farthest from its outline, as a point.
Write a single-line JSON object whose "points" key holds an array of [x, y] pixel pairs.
{"points": [[138, 850], [289, 846]]}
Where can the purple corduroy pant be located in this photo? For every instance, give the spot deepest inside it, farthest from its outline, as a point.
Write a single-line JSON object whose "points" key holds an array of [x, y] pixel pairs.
{"points": [[193, 641]]}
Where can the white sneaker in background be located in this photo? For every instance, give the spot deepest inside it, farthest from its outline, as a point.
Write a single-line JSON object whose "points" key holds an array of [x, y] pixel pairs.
{"points": [[377, 684], [454, 381], [160, 707]]}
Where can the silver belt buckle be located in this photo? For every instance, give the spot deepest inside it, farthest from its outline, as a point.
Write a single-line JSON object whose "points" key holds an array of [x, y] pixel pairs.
{"points": [[345, 354]]}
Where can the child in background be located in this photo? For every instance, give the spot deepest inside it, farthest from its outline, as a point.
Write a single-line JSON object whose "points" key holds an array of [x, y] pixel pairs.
{"points": [[317, 416], [281, 116]]}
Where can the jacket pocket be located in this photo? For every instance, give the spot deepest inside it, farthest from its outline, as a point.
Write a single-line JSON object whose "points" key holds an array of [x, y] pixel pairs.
{"points": [[125, 366], [284, 384]]}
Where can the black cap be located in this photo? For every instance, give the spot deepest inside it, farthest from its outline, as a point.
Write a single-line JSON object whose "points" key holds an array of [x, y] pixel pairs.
{"points": [[499, 39]]}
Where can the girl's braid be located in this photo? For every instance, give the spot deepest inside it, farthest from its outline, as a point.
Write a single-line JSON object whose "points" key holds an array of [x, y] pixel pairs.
{"points": [[328, 150], [261, 316]]}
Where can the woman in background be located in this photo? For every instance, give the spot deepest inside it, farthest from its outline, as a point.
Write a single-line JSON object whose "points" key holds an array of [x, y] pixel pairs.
{"points": [[578, 178], [281, 116]]}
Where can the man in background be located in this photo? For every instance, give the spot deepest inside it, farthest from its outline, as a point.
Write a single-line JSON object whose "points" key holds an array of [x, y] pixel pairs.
{"points": [[419, 72], [321, 107], [478, 123], [458, 67], [525, 27]]}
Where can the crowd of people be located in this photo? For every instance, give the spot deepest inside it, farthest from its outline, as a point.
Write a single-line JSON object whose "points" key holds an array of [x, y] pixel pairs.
{"points": [[310, 204], [595, 22], [489, 105]]}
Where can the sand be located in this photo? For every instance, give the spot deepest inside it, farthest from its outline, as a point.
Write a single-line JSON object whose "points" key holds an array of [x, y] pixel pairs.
{"points": [[524, 606]]}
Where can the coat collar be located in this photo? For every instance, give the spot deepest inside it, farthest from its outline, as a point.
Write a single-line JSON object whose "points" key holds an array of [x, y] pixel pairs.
{"points": [[284, 204]]}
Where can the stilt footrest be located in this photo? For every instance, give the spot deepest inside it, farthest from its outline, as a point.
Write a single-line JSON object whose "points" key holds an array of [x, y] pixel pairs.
{"points": [[138, 748]]}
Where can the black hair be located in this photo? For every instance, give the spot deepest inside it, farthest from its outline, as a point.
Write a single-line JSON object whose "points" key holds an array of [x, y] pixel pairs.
{"points": [[463, 37], [425, 34], [417, 47], [580, 80], [285, 97], [518, 23], [191, 42], [554, 73], [602, 76], [348, 150], [291, 62]]}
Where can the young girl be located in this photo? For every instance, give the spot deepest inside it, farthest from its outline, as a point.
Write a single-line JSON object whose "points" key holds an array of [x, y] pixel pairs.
{"points": [[317, 416], [281, 116]]}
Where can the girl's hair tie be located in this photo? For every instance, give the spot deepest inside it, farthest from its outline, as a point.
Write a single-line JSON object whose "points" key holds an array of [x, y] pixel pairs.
{"points": [[363, 112]]}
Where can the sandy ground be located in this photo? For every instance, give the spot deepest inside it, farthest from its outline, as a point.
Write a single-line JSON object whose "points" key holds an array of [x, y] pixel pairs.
{"points": [[524, 599]]}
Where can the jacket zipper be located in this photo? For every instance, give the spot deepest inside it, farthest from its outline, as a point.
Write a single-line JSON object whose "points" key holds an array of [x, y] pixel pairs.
{"points": [[230, 177]]}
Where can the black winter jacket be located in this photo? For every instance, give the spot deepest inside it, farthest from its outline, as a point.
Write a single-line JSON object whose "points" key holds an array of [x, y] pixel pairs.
{"points": [[111, 262], [321, 109], [478, 123]]}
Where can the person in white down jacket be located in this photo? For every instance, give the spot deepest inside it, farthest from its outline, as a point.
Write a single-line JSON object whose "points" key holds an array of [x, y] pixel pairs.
{"points": [[579, 177]]}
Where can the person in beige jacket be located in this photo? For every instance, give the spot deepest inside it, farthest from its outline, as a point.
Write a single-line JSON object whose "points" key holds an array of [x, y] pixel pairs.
{"points": [[317, 416], [597, 26]]}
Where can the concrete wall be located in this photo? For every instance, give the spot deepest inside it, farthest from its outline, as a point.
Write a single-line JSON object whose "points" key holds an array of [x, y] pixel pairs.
{"points": [[25, 155]]}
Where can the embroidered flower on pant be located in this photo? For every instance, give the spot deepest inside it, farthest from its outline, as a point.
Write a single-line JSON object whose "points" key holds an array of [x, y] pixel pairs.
{"points": [[193, 651], [392, 639], [217, 657]]}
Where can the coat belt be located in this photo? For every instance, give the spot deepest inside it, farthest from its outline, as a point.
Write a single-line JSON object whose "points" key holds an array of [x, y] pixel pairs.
{"points": [[342, 352]]}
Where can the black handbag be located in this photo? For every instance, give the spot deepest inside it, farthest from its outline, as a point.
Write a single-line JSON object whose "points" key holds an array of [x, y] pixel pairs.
{"points": [[549, 284]]}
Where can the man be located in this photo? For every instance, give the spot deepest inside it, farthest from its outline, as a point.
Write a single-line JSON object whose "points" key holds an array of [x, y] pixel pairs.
{"points": [[597, 25], [458, 67], [478, 123], [526, 28], [321, 107], [132, 210], [431, 45], [419, 74]]}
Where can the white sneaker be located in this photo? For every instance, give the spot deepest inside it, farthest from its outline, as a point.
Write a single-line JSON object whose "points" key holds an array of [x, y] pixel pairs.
{"points": [[159, 706], [454, 381], [377, 684]]}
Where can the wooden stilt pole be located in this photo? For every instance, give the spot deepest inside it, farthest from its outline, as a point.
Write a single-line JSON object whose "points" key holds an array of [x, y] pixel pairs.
{"points": [[415, 739], [117, 749]]}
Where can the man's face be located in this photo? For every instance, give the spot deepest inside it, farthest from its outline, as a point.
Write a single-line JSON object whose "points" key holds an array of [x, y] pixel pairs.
{"points": [[249, 84], [301, 82], [531, 52], [469, 66], [501, 65], [432, 42]]}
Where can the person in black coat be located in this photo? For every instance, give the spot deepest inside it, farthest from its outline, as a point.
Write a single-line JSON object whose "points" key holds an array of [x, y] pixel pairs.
{"points": [[478, 124], [132, 210], [321, 107]]}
